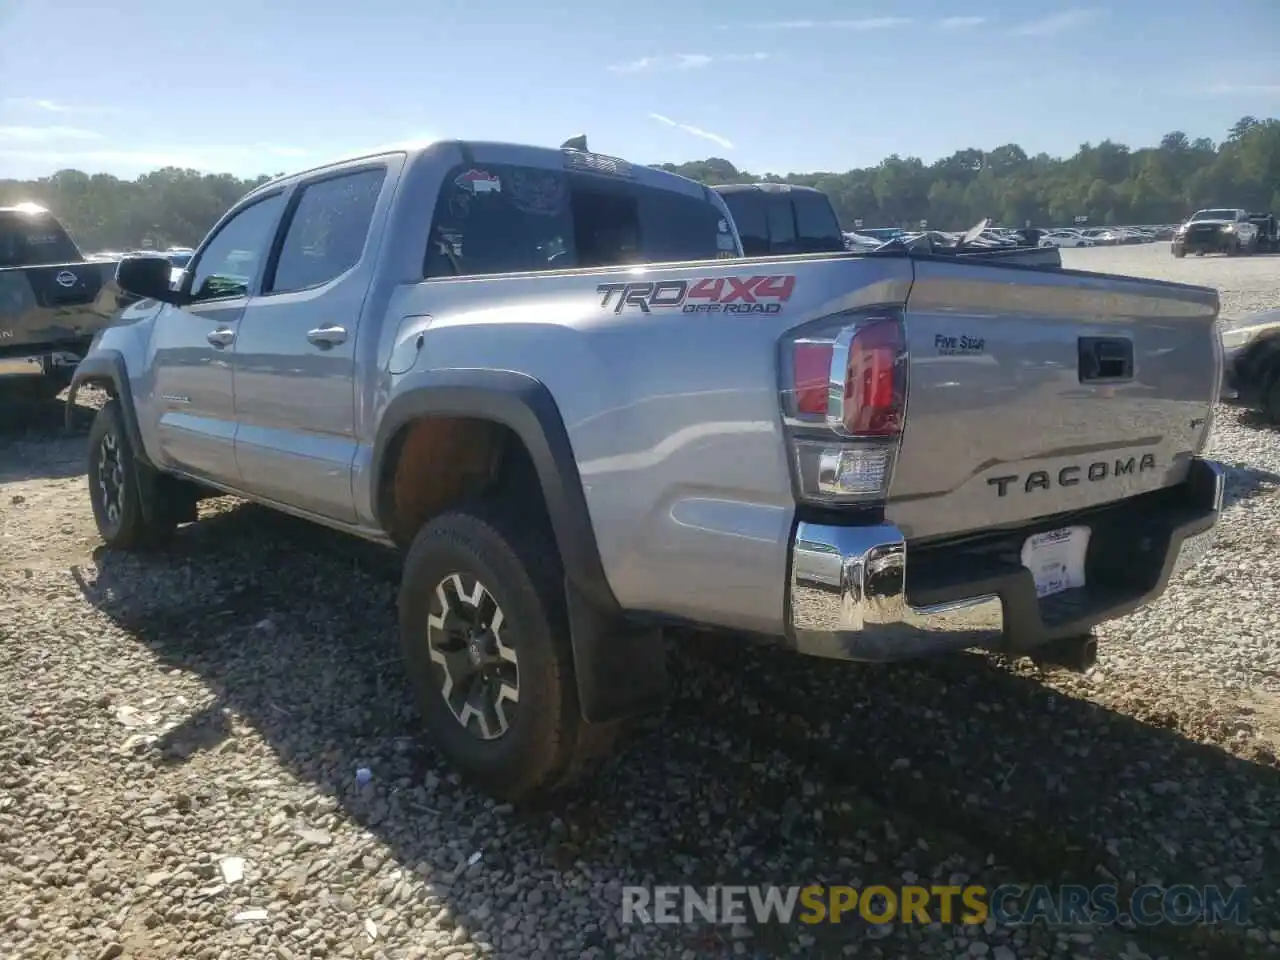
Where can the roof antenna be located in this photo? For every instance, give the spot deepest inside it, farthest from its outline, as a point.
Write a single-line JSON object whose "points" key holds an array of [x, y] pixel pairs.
{"points": [[576, 143]]}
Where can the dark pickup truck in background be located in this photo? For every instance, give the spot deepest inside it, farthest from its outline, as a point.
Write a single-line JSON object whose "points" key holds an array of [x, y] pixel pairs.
{"points": [[776, 219], [52, 300]]}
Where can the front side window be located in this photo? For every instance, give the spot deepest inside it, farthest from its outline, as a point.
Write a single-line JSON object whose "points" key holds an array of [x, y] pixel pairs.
{"points": [[498, 218], [328, 229], [230, 261]]}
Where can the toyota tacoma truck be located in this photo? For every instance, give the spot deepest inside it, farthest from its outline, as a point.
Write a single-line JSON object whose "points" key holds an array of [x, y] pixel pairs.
{"points": [[551, 379], [1228, 231], [52, 300]]}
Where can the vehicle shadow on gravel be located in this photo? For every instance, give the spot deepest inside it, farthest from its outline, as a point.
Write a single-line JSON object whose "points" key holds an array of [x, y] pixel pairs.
{"points": [[768, 768], [1245, 482]]}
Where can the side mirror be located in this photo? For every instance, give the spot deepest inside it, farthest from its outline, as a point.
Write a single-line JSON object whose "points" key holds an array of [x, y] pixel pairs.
{"points": [[146, 277]]}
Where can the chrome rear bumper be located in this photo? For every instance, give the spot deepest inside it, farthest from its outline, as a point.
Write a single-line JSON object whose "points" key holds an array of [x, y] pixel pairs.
{"points": [[848, 589]]}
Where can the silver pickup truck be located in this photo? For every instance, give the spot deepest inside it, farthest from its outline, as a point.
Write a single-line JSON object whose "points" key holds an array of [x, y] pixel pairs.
{"points": [[550, 378]]}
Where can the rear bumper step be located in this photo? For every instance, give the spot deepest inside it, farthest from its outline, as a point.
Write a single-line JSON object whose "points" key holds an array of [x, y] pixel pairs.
{"points": [[852, 595]]}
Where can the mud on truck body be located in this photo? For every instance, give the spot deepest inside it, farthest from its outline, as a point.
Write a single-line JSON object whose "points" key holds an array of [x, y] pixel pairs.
{"points": [[551, 379]]}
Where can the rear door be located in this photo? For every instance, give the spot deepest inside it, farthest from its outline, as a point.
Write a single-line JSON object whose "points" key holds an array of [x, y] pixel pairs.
{"points": [[294, 364], [1039, 392]]}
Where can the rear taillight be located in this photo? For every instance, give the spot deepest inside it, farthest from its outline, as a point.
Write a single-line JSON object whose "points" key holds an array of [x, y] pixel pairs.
{"points": [[844, 389]]}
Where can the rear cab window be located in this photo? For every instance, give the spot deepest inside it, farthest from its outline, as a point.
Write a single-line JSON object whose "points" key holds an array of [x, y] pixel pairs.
{"points": [[502, 218], [817, 226], [34, 240], [775, 222]]}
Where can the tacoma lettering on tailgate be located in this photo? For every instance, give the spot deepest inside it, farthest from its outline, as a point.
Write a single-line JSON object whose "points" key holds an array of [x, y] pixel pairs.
{"points": [[1072, 475], [708, 295]]}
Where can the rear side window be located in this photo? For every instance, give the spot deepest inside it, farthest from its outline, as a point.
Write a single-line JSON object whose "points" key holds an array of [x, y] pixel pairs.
{"points": [[498, 218], [327, 231], [33, 239]]}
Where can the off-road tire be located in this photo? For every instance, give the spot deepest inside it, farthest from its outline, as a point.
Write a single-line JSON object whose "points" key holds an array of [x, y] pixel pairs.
{"points": [[547, 744], [1179, 253], [128, 527], [1271, 395]]}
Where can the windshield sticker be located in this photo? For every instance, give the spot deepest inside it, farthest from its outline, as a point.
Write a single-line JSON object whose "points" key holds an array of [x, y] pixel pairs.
{"points": [[540, 193], [478, 182], [705, 295]]}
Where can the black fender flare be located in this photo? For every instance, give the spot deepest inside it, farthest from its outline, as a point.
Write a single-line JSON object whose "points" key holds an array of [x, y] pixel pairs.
{"points": [[109, 366], [620, 667]]}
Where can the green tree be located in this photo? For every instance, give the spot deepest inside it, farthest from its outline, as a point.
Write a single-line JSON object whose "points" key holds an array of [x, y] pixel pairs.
{"points": [[1107, 182]]}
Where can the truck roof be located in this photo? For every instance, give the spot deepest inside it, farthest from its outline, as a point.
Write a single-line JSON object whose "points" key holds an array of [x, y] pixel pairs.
{"points": [[515, 153]]}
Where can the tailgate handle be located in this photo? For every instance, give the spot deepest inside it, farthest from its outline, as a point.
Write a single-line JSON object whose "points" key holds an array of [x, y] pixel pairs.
{"points": [[1106, 358]]}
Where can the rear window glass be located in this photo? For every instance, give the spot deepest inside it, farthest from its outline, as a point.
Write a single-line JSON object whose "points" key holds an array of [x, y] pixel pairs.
{"points": [[782, 224], [497, 218], [816, 223], [747, 207], [788, 222], [31, 240]]}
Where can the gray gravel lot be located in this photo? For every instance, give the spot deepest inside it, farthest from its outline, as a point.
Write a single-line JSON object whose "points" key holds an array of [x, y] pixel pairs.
{"points": [[159, 715]]}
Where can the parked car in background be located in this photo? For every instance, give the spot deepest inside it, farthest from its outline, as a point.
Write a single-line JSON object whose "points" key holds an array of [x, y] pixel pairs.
{"points": [[860, 241], [52, 299], [1268, 232], [1220, 230], [1251, 363], [781, 218], [1065, 238]]}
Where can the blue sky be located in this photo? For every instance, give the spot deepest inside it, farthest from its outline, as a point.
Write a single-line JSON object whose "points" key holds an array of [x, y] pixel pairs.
{"points": [[250, 86]]}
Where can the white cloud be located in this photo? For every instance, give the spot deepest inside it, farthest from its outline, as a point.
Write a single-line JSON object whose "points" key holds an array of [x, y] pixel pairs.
{"points": [[961, 23], [37, 103], [20, 134], [692, 130], [683, 61], [1058, 23], [865, 23]]}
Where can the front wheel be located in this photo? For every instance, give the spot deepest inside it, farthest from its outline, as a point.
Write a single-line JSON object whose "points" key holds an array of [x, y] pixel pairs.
{"points": [[485, 637], [116, 482]]}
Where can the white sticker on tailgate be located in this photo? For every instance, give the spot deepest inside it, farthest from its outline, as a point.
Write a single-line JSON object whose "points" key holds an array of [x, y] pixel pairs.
{"points": [[1056, 559]]}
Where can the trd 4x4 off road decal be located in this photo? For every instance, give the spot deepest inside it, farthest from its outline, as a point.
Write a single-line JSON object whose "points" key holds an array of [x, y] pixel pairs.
{"points": [[708, 295]]}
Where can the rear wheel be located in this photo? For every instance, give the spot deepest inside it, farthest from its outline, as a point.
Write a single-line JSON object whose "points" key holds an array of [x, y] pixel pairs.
{"points": [[485, 637]]}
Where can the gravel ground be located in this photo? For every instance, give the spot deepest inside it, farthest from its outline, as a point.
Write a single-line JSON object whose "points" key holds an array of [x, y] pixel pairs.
{"points": [[179, 738]]}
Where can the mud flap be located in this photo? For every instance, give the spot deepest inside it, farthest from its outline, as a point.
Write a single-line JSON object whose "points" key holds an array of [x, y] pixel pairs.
{"points": [[621, 667]]}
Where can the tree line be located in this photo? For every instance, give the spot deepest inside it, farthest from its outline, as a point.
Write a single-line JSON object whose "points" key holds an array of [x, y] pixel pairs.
{"points": [[1107, 183]]}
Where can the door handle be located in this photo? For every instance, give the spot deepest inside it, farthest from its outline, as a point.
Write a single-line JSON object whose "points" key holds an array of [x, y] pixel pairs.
{"points": [[222, 337], [326, 337]]}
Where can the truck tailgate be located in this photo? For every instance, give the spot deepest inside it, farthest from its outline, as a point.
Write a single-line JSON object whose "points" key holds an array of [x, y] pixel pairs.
{"points": [[1035, 392], [55, 306]]}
